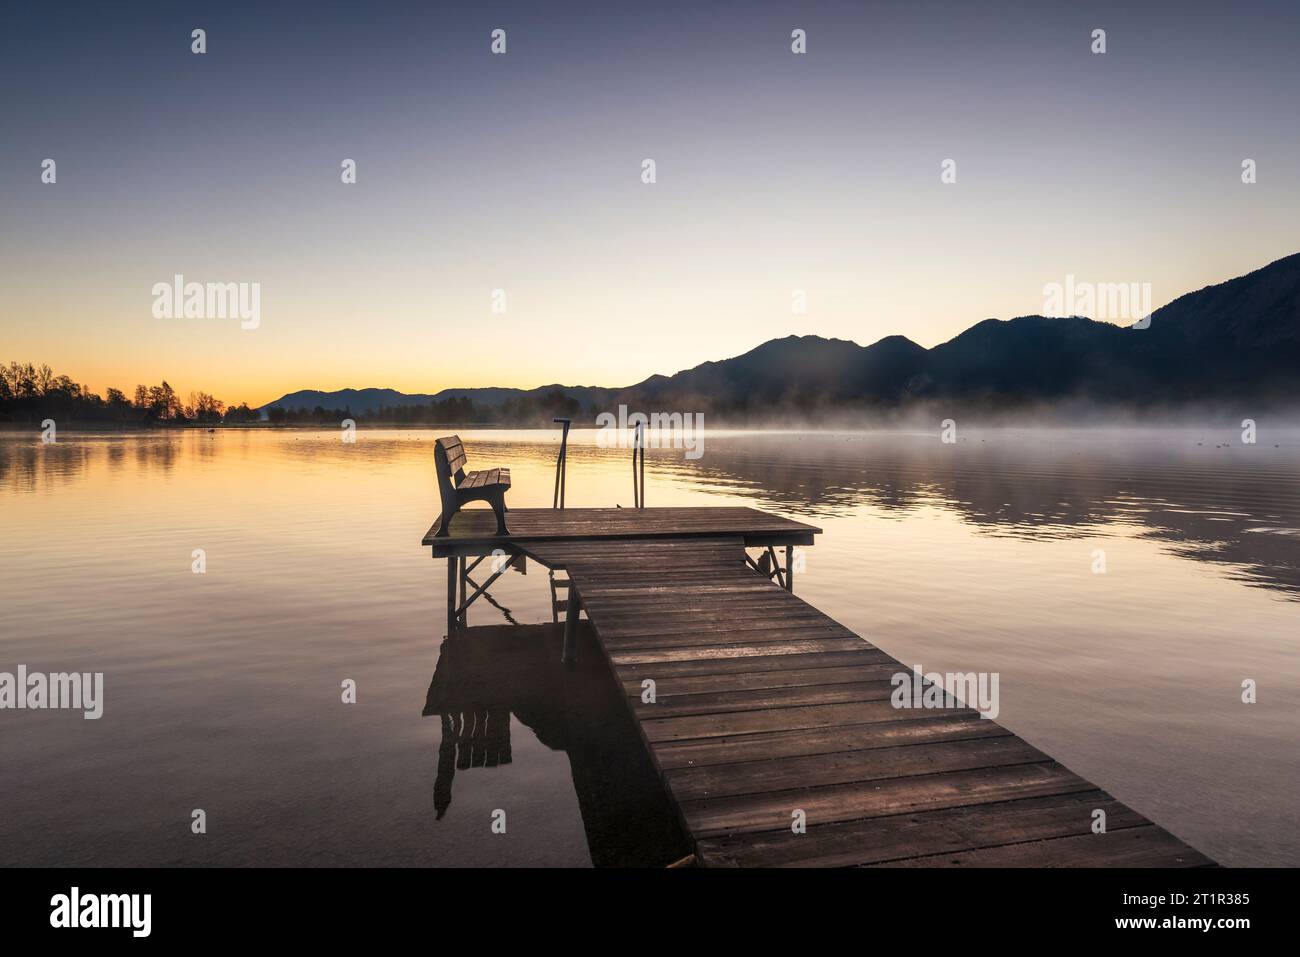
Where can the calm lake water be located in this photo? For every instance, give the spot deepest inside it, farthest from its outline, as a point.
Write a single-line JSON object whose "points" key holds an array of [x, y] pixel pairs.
{"points": [[222, 689]]}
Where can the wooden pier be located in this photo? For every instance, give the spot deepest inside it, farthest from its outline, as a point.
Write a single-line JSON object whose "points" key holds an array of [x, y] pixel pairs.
{"points": [[766, 712]]}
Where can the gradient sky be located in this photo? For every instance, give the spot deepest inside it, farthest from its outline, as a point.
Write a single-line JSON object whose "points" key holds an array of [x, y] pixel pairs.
{"points": [[522, 172]]}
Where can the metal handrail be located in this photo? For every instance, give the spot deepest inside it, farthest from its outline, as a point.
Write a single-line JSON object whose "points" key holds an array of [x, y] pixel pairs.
{"points": [[638, 450], [561, 463]]}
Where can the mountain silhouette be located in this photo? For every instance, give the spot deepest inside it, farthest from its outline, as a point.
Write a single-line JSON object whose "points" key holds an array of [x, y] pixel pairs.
{"points": [[1236, 340]]}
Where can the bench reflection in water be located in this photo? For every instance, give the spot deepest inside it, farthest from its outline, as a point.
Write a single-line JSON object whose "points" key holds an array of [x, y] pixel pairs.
{"points": [[488, 675]]}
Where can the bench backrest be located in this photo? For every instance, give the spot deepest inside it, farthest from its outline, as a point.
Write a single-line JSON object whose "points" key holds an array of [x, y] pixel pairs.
{"points": [[449, 462]]}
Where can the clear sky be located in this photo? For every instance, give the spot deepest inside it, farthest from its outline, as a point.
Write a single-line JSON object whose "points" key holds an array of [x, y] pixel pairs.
{"points": [[522, 172]]}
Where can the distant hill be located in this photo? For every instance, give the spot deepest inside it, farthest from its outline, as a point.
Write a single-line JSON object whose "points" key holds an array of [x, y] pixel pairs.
{"points": [[369, 401], [357, 400], [1236, 340]]}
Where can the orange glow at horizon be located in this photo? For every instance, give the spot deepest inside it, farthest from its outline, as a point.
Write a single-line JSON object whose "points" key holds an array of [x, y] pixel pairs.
{"points": [[545, 337]]}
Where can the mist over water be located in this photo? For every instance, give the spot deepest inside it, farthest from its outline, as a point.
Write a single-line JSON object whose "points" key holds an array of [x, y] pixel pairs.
{"points": [[222, 689]]}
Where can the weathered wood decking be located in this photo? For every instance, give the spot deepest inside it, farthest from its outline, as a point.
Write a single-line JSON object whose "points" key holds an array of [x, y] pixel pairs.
{"points": [[473, 531], [764, 707]]}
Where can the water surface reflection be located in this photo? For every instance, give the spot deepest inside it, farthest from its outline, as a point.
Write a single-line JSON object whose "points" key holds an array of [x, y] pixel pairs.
{"points": [[222, 689], [488, 675]]}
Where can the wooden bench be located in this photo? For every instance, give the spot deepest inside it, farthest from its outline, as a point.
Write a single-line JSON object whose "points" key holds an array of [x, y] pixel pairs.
{"points": [[456, 486]]}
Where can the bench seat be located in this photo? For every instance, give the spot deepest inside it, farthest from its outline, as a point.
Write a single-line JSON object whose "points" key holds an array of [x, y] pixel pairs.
{"points": [[485, 479]]}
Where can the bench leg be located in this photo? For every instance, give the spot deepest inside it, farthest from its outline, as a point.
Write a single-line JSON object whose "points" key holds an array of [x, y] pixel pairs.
{"points": [[444, 523], [498, 503]]}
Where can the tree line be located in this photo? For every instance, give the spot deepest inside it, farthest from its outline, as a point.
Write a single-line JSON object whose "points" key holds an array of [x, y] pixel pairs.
{"points": [[30, 393], [517, 412]]}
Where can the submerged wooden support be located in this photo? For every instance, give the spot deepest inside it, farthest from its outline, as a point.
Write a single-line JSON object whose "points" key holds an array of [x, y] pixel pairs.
{"points": [[462, 615], [451, 595], [480, 589], [463, 591], [571, 627], [770, 567]]}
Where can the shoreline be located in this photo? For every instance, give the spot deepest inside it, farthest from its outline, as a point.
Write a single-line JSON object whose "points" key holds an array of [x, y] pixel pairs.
{"points": [[1289, 426]]}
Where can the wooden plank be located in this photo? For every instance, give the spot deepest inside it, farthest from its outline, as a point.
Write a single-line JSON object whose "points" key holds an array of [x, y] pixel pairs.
{"points": [[627, 547], [723, 702], [779, 719], [845, 767], [756, 631], [723, 650], [627, 553], [631, 521], [909, 836], [743, 592], [1148, 846], [484, 479], [629, 622], [848, 802], [755, 680], [666, 627], [455, 454], [861, 654], [729, 593], [701, 607], [749, 631], [773, 745]]}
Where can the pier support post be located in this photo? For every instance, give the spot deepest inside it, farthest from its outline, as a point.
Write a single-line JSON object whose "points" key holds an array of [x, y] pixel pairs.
{"points": [[463, 618], [571, 627], [789, 569], [451, 596]]}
